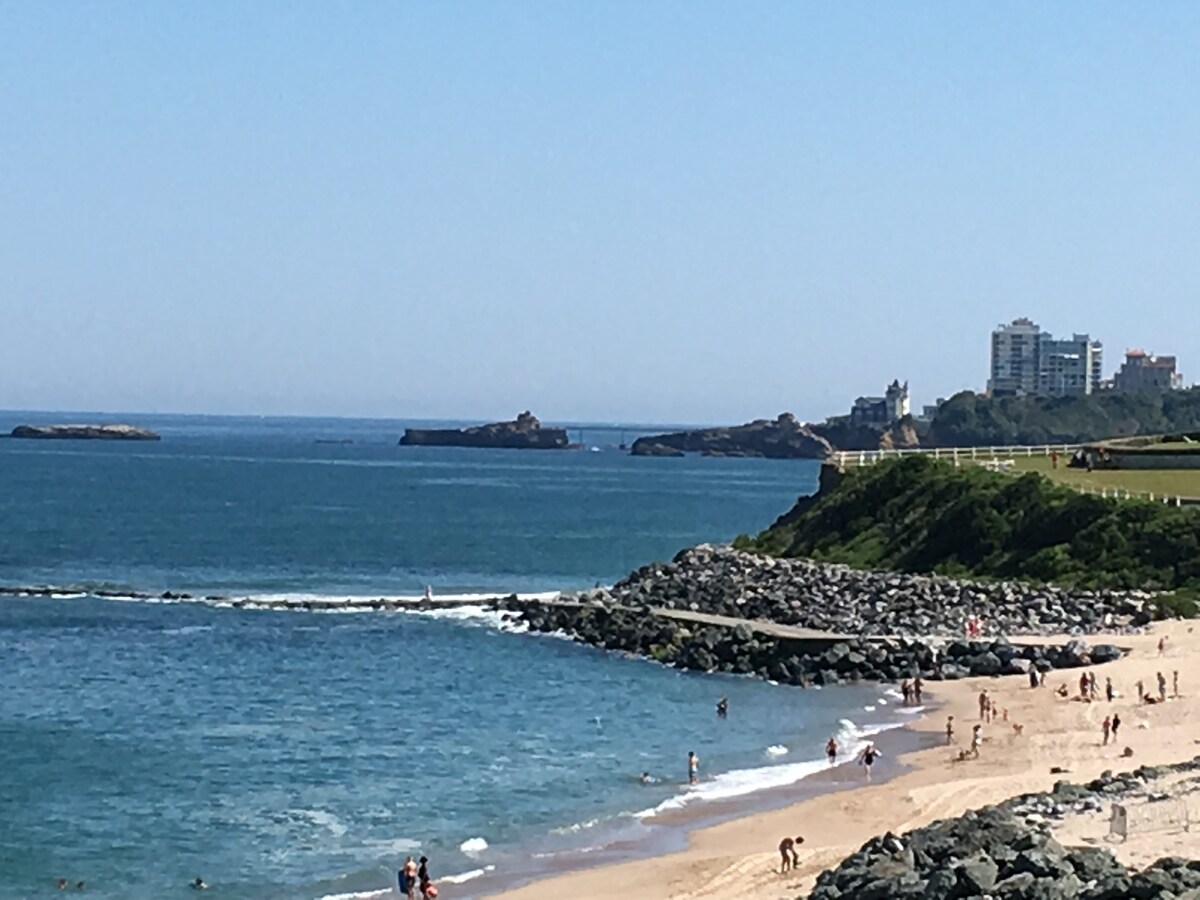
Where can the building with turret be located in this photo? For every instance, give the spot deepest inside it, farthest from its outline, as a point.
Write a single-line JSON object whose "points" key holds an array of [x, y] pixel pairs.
{"points": [[893, 405]]}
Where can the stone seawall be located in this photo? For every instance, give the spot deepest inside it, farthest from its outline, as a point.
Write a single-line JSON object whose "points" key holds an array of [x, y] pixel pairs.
{"points": [[827, 597], [743, 650]]}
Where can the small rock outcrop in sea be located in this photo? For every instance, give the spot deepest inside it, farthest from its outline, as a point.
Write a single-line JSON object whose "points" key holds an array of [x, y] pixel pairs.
{"points": [[783, 438], [523, 433], [1009, 852], [85, 432], [728, 582], [744, 649]]}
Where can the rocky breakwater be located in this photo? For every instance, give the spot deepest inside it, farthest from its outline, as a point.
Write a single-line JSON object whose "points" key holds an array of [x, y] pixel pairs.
{"points": [[525, 432], [85, 432], [747, 650], [728, 582], [782, 438], [1009, 852]]}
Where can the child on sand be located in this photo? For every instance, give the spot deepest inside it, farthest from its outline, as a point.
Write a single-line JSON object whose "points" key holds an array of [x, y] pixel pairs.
{"points": [[787, 850], [950, 729]]}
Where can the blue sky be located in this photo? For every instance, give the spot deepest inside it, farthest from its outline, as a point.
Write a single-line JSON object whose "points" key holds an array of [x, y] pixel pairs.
{"points": [[639, 212]]}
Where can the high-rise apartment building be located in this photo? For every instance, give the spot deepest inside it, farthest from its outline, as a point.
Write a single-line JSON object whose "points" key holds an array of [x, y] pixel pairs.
{"points": [[1015, 350], [1027, 360], [1069, 366]]}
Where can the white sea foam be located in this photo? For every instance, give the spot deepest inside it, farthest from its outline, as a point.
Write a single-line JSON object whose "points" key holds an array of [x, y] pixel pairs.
{"points": [[473, 845], [397, 847], [323, 819], [361, 895], [188, 629], [777, 750], [467, 876], [851, 740]]}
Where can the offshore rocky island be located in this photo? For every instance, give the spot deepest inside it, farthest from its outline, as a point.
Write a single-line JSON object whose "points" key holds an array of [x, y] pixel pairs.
{"points": [[524, 432]]}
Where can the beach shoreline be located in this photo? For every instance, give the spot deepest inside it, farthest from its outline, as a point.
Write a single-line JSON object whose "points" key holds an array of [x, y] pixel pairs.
{"points": [[669, 831], [739, 857]]}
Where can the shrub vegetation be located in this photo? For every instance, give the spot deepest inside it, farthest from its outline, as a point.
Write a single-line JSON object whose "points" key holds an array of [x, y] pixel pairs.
{"points": [[917, 514]]}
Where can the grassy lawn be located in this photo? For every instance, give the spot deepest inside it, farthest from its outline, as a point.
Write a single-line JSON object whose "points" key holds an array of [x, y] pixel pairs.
{"points": [[1182, 482]]}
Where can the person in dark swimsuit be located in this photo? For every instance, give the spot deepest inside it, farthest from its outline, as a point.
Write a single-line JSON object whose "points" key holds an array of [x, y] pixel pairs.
{"points": [[831, 751], [868, 757]]}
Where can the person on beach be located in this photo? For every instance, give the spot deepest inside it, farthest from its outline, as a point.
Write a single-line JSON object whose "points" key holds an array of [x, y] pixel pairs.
{"points": [[1083, 685], [408, 883], [1162, 645], [1141, 689], [787, 849], [424, 881], [1116, 726], [723, 708], [867, 758], [983, 704], [1033, 677], [831, 751], [693, 768], [917, 685], [950, 729], [906, 692], [1162, 687], [976, 740], [1107, 728], [1108, 690], [1175, 684], [1093, 691]]}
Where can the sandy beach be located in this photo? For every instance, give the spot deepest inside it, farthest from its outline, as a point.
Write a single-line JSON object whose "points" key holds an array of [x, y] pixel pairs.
{"points": [[739, 858]]}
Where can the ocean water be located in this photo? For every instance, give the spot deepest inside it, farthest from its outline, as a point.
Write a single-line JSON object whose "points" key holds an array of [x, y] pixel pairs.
{"points": [[304, 755]]}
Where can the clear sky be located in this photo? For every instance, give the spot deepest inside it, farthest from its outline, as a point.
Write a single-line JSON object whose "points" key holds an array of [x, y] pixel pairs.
{"points": [[645, 211]]}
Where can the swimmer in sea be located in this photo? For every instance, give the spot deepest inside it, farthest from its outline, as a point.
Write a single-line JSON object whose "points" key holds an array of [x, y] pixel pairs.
{"points": [[693, 767], [646, 778], [199, 884]]}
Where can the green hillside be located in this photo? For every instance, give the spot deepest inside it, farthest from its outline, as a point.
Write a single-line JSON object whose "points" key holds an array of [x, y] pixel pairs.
{"points": [[917, 514]]}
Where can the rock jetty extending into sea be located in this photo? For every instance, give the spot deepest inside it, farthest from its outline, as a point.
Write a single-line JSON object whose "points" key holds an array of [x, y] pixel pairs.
{"points": [[85, 432], [723, 581], [523, 433], [1009, 852], [744, 649]]}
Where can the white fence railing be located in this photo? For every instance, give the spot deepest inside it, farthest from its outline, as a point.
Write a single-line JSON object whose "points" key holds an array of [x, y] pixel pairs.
{"points": [[1001, 459], [868, 457]]}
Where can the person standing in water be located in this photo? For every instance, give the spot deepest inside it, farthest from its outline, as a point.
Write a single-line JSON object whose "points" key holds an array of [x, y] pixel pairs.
{"points": [[868, 757], [408, 880], [831, 750], [723, 707], [425, 882], [693, 767]]}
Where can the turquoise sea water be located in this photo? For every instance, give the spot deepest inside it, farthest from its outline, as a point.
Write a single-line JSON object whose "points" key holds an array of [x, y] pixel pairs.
{"points": [[304, 755]]}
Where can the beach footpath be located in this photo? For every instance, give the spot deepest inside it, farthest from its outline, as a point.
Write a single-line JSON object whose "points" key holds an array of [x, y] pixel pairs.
{"points": [[1035, 739]]}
